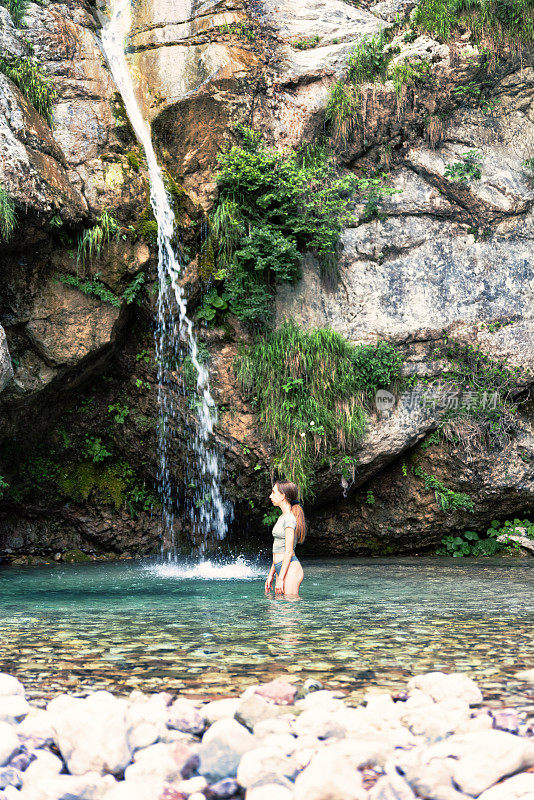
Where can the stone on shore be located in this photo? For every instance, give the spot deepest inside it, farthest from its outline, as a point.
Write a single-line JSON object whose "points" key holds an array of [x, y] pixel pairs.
{"points": [[13, 708], [265, 765], [220, 709], [254, 709], [520, 787], [278, 692], [440, 686], [163, 763], [222, 748], [91, 734], [184, 716], [90, 786], [9, 686], [525, 675], [9, 743], [329, 776], [269, 791]]}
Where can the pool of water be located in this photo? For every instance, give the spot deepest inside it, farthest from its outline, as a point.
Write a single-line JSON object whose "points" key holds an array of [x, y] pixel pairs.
{"points": [[211, 630]]}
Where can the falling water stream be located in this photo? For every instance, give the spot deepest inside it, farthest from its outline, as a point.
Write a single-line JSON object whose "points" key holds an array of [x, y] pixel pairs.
{"points": [[208, 511]]}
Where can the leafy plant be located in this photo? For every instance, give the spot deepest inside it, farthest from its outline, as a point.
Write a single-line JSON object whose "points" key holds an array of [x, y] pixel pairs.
{"points": [[3, 486], [93, 240], [409, 73], [91, 286], [270, 518], [368, 60], [8, 215], [447, 499], [132, 293], [95, 449], [34, 84], [212, 303], [272, 206], [494, 22], [471, 543], [306, 42], [16, 8], [310, 390], [476, 94], [467, 169], [119, 411]]}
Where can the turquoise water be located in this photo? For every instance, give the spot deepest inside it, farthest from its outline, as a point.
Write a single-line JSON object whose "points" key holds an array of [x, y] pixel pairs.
{"points": [[212, 631]]}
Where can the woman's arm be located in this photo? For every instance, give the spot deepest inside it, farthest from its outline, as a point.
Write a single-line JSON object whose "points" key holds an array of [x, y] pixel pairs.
{"points": [[269, 578], [290, 537]]}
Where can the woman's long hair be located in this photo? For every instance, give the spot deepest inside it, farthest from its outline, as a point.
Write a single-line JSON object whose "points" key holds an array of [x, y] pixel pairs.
{"points": [[290, 490]]}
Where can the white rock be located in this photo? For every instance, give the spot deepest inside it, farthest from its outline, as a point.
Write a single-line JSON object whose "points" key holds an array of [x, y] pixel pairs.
{"points": [[45, 765], [391, 787], [440, 686], [10, 685], [146, 720], [223, 745], [363, 751], [197, 796], [324, 700], [159, 763], [269, 791], [478, 760], [10, 793], [329, 777], [91, 734], [183, 715], [9, 743], [13, 709], [219, 709], [520, 787], [135, 790], [192, 785], [284, 742], [276, 725], [90, 786], [438, 720], [263, 765], [37, 725], [526, 675], [319, 722]]}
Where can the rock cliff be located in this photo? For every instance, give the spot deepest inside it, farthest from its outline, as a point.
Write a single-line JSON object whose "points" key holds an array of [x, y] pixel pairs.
{"points": [[445, 258]]}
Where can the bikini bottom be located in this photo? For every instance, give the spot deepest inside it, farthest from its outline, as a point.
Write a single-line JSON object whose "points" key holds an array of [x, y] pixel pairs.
{"points": [[278, 564]]}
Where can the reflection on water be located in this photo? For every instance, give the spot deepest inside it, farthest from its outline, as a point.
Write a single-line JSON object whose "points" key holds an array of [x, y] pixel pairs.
{"points": [[211, 630]]}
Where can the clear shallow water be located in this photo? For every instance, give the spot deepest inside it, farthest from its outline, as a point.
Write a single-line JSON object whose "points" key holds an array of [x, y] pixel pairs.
{"points": [[211, 630]]}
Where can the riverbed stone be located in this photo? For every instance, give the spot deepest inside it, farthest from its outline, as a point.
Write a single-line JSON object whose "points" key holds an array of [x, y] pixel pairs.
{"points": [[329, 776], [222, 748], [478, 760], [519, 787], [184, 716], [391, 787], [220, 709], [91, 734], [269, 791], [91, 786], [9, 776], [278, 692], [441, 686], [9, 686], [9, 743], [254, 709], [222, 790], [438, 720], [265, 765], [37, 726], [320, 723], [45, 765], [135, 790], [526, 675], [13, 709], [163, 763], [273, 726], [146, 721]]}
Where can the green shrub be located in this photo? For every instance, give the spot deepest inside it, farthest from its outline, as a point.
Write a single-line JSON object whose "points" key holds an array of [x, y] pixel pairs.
{"points": [[306, 42], [409, 73], [368, 60], [471, 543], [447, 499], [132, 293], [93, 240], [310, 390], [496, 22], [465, 170], [3, 486], [119, 412], [8, 214], [95, 449], [34, 84], [17, 9], [91, 286]]}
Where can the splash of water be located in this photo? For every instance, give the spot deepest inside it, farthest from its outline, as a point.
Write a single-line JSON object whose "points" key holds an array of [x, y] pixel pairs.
{"points": [[240, 569], [174, 334]]}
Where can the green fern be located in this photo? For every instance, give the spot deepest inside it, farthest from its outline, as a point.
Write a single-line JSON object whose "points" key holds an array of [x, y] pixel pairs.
{"points": [[92, 241]]}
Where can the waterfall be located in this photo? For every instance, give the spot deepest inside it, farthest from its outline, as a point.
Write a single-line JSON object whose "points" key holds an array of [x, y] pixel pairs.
{"points": [[208, 512]]}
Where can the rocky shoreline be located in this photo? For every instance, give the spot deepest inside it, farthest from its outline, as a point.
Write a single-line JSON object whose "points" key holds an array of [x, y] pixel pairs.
{"points": [[279, 741]]}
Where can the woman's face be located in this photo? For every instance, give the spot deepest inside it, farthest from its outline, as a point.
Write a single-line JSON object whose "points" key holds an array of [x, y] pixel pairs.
{"points": [[276, 497]]}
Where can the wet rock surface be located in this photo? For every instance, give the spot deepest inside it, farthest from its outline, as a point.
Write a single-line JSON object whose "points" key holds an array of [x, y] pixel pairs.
{"points": [[92, 738]]}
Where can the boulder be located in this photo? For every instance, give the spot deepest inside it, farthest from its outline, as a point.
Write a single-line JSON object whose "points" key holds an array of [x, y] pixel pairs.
{"points": [[220, 709], [520, 787], [13, 709], [277, 692], [329, 776], [222, 748], [254, 709], [184, 716], [9, 743], [265, 765], [91, 734], [440, 686], [163, 763], [9, 686], [91, 786]]}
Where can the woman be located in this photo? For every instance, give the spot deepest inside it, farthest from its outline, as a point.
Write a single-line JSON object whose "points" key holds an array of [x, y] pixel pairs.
{"points": [[289, 529]]}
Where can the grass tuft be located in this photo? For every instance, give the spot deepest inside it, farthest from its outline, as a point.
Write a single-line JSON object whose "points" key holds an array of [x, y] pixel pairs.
{"points": [[34, 84], [93, 240], [310, 390], [8, 215], [17, 9]]}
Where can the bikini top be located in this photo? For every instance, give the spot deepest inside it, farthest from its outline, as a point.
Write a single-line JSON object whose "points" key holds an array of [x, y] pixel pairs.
{"points": [[279, 531]]}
